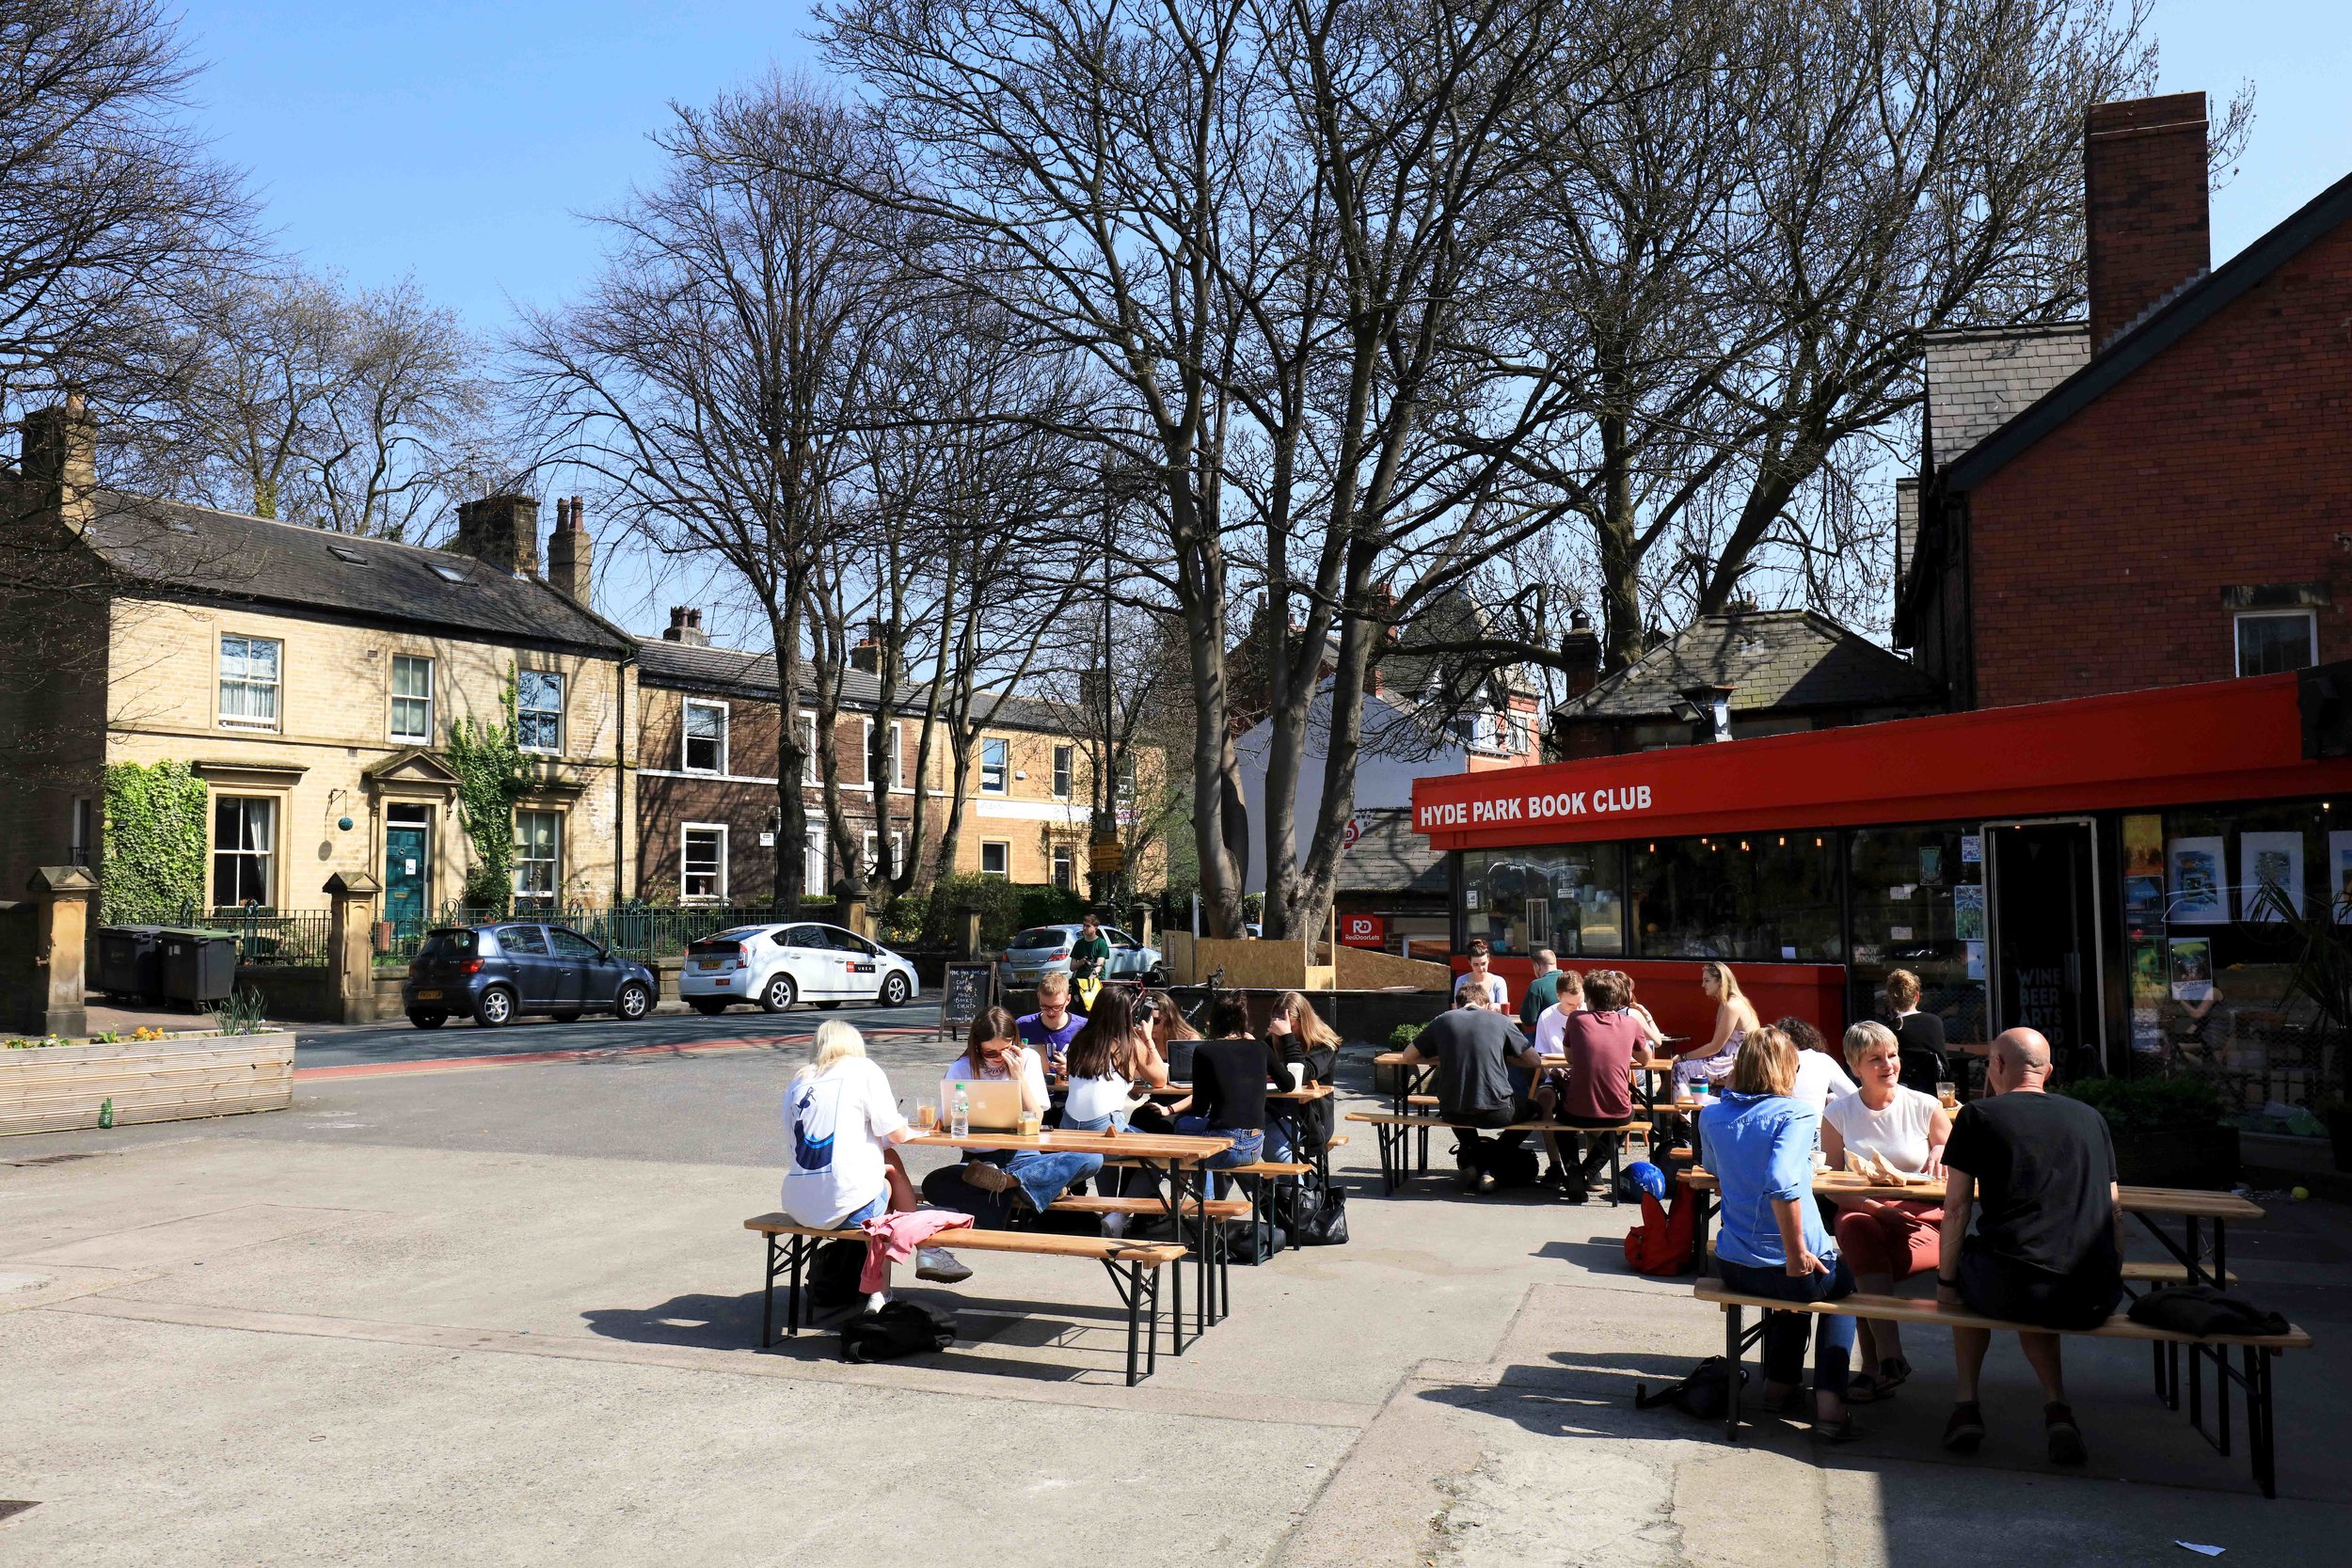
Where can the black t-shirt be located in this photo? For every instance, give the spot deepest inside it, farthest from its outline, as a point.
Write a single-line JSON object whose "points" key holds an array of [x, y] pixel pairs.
{"points": [[1473, 1048], [1229, 1084], [1919, 1046], [2044, 1165]]}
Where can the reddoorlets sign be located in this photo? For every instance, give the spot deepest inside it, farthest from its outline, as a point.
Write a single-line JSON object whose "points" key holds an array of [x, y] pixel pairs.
{"points": [[1559, 805]]}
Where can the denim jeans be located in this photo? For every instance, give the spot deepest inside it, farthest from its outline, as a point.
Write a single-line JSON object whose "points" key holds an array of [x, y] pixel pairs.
{"points": [[1046, 1177], [1096, 1124], [1785, 1333], [1248, 1146]]}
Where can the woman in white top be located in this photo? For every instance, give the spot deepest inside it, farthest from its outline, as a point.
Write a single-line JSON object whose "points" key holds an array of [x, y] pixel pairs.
{"points": [[1029, 1179], [1820, 1078], [1734, 1015], [1883, 1242], [843, 1120]]}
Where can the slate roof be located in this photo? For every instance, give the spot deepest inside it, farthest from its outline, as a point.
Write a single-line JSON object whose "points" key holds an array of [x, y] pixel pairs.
{"points": [[738, 672], [1389, 857], [1783, 660], [196, 552], [1978, 378]]}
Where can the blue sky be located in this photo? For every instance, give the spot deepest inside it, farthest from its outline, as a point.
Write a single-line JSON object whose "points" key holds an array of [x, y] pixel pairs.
{"points": [[459, 142]]}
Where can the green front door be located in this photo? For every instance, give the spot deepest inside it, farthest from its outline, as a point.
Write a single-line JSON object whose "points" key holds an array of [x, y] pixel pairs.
{"points": [[403, 877]]}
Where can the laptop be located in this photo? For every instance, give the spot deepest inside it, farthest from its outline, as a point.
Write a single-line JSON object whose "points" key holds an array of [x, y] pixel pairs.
{"points": [[995, 1102]]}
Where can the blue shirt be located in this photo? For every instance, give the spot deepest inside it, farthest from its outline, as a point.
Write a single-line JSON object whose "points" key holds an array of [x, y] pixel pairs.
{"points": [[1760, 1147]]}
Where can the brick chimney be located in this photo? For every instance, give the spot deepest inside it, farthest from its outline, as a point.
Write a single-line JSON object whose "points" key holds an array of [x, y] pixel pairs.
{"points": [[867, 654], [570, 553], [686, 626], [500, 531], [60, 459], [1580, 649], [2145, 211]]}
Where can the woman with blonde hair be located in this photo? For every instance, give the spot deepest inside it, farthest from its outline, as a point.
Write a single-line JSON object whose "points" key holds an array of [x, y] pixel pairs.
{"points": [[844, 1124], [1884, 1241], [1770, 1241], [1735, 1019], [1292, 1034]]}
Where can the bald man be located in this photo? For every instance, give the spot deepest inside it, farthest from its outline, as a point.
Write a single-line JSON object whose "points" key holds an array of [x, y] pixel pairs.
{"points": [[2037, 1171]]}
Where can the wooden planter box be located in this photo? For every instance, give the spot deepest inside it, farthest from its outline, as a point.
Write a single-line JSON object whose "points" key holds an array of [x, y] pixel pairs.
{"points": [[58, 1088], [2202, 1157]]}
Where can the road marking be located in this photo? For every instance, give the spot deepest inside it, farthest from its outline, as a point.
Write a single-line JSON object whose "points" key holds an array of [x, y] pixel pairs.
{"points": [[583, 1053]]}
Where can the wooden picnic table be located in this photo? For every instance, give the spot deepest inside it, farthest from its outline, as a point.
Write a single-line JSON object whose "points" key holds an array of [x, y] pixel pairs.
{"points": [[1645, 1073], [1178, 1157]]}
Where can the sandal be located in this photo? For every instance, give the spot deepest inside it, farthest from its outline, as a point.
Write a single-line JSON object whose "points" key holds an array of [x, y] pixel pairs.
{"points": [[1873, 1388], [1841, 1431]]}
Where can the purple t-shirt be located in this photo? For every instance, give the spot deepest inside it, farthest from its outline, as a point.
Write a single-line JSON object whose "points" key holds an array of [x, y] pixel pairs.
{"points": [[1054, 1042]]}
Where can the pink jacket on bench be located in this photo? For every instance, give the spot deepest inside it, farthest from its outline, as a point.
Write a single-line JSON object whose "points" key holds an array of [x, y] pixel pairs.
{"points": [[893, 1238]]}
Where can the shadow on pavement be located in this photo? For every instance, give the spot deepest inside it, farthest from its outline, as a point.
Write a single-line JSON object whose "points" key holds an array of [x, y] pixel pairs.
{"points": [[1095, 1341]]}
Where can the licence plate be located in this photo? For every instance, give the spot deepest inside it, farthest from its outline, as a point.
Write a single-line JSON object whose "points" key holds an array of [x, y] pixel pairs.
{"points": [[709, 963], [428, 996]]}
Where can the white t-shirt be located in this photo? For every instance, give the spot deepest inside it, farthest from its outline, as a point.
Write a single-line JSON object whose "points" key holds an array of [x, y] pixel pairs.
{"points": [[1551, 1030], [1094, 1098], [1900, 1132], [1498, 995], [1819, 1080], [837, 1121]]}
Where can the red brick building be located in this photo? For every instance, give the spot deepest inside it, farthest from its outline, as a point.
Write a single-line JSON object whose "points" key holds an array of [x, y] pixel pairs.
{"points": [[2160, 497]]}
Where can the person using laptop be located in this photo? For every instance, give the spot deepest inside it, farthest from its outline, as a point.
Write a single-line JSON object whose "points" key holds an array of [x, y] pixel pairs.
{"points": [[1004, 1079]]}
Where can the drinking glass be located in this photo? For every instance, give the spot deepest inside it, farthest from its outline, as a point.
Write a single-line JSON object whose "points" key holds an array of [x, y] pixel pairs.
{"points": [[926, 1114], [1948, 1095]]}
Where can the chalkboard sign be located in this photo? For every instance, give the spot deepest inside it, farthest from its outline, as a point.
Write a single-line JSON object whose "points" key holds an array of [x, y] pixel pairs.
{"points": [[968, 988]]}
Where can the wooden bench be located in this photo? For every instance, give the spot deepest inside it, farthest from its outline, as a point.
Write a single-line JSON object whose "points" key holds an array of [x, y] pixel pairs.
{"points": [[2252, 1376], [1394, 1130], [790, 1244]]}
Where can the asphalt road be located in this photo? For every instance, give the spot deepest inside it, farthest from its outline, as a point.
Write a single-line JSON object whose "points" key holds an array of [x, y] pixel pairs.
{"points": [[354, 1045]]}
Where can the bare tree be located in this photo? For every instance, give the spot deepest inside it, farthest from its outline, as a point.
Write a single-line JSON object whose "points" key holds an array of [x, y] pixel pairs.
{"points": [[297, 398], [713, 371]]}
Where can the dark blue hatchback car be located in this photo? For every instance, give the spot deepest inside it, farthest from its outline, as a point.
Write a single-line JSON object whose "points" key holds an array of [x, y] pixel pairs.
{"points": [[496, 974]]}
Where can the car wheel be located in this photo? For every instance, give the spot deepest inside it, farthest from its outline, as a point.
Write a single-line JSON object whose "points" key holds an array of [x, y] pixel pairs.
{"points": [[708, 1006], [778, 994], [564, 1018], [428, 1019], [495, 1007], [894, 991], [634, 1002]]}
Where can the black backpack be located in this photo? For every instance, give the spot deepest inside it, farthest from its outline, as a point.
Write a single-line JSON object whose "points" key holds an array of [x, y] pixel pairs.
{"points": [[1705, 1393], [833, 1275], [900, 1329]]}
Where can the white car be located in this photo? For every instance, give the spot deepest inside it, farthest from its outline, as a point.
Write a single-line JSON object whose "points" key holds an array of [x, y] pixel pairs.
{"points": [[775, 966]]}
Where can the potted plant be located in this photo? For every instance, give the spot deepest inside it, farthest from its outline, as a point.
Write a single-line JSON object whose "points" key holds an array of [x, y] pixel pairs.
{"points": [[2168, 1132]]}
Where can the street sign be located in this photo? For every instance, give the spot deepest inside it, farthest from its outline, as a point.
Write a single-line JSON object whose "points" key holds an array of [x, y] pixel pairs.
{"points": [[1363, 930], [1107, 857]]}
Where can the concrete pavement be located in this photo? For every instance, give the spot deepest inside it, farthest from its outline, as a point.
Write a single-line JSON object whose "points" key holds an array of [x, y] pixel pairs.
{"points": [[504, 1316]]}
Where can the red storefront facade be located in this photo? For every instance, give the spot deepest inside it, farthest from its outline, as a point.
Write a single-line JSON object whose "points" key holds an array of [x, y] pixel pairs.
{"points": [[2091, 867]]}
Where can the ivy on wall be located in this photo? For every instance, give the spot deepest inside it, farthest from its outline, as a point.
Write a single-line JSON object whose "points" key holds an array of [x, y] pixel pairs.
{"points": [[491, 777], [151, 854]]}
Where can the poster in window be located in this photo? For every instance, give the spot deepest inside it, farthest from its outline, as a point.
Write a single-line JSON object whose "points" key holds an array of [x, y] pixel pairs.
{"points": [[2340, 876], [1968, 912], [2199, 895], [1971, 849], [2147, 973], [2270, 872], [1975, 960], [1930, 864], [2192, 967]]}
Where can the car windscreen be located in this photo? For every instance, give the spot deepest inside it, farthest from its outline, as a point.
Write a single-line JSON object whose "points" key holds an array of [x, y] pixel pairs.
{"points": [[738, 934], [1041, 936]]}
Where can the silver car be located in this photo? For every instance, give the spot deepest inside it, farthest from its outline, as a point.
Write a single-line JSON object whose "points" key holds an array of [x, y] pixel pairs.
{"points": [[1044, 949]]}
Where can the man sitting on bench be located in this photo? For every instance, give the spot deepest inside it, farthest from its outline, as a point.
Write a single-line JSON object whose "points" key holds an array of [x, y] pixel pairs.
{"points": [[2037, 1171], [1475, 1049]]}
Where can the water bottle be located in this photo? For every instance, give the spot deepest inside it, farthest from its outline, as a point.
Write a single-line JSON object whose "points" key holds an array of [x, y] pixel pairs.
{"points": [[960, 1122], [106, 1111]]}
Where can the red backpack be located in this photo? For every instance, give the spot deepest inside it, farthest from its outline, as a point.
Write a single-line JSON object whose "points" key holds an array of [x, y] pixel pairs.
{"points": [[1660, 1244]]}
